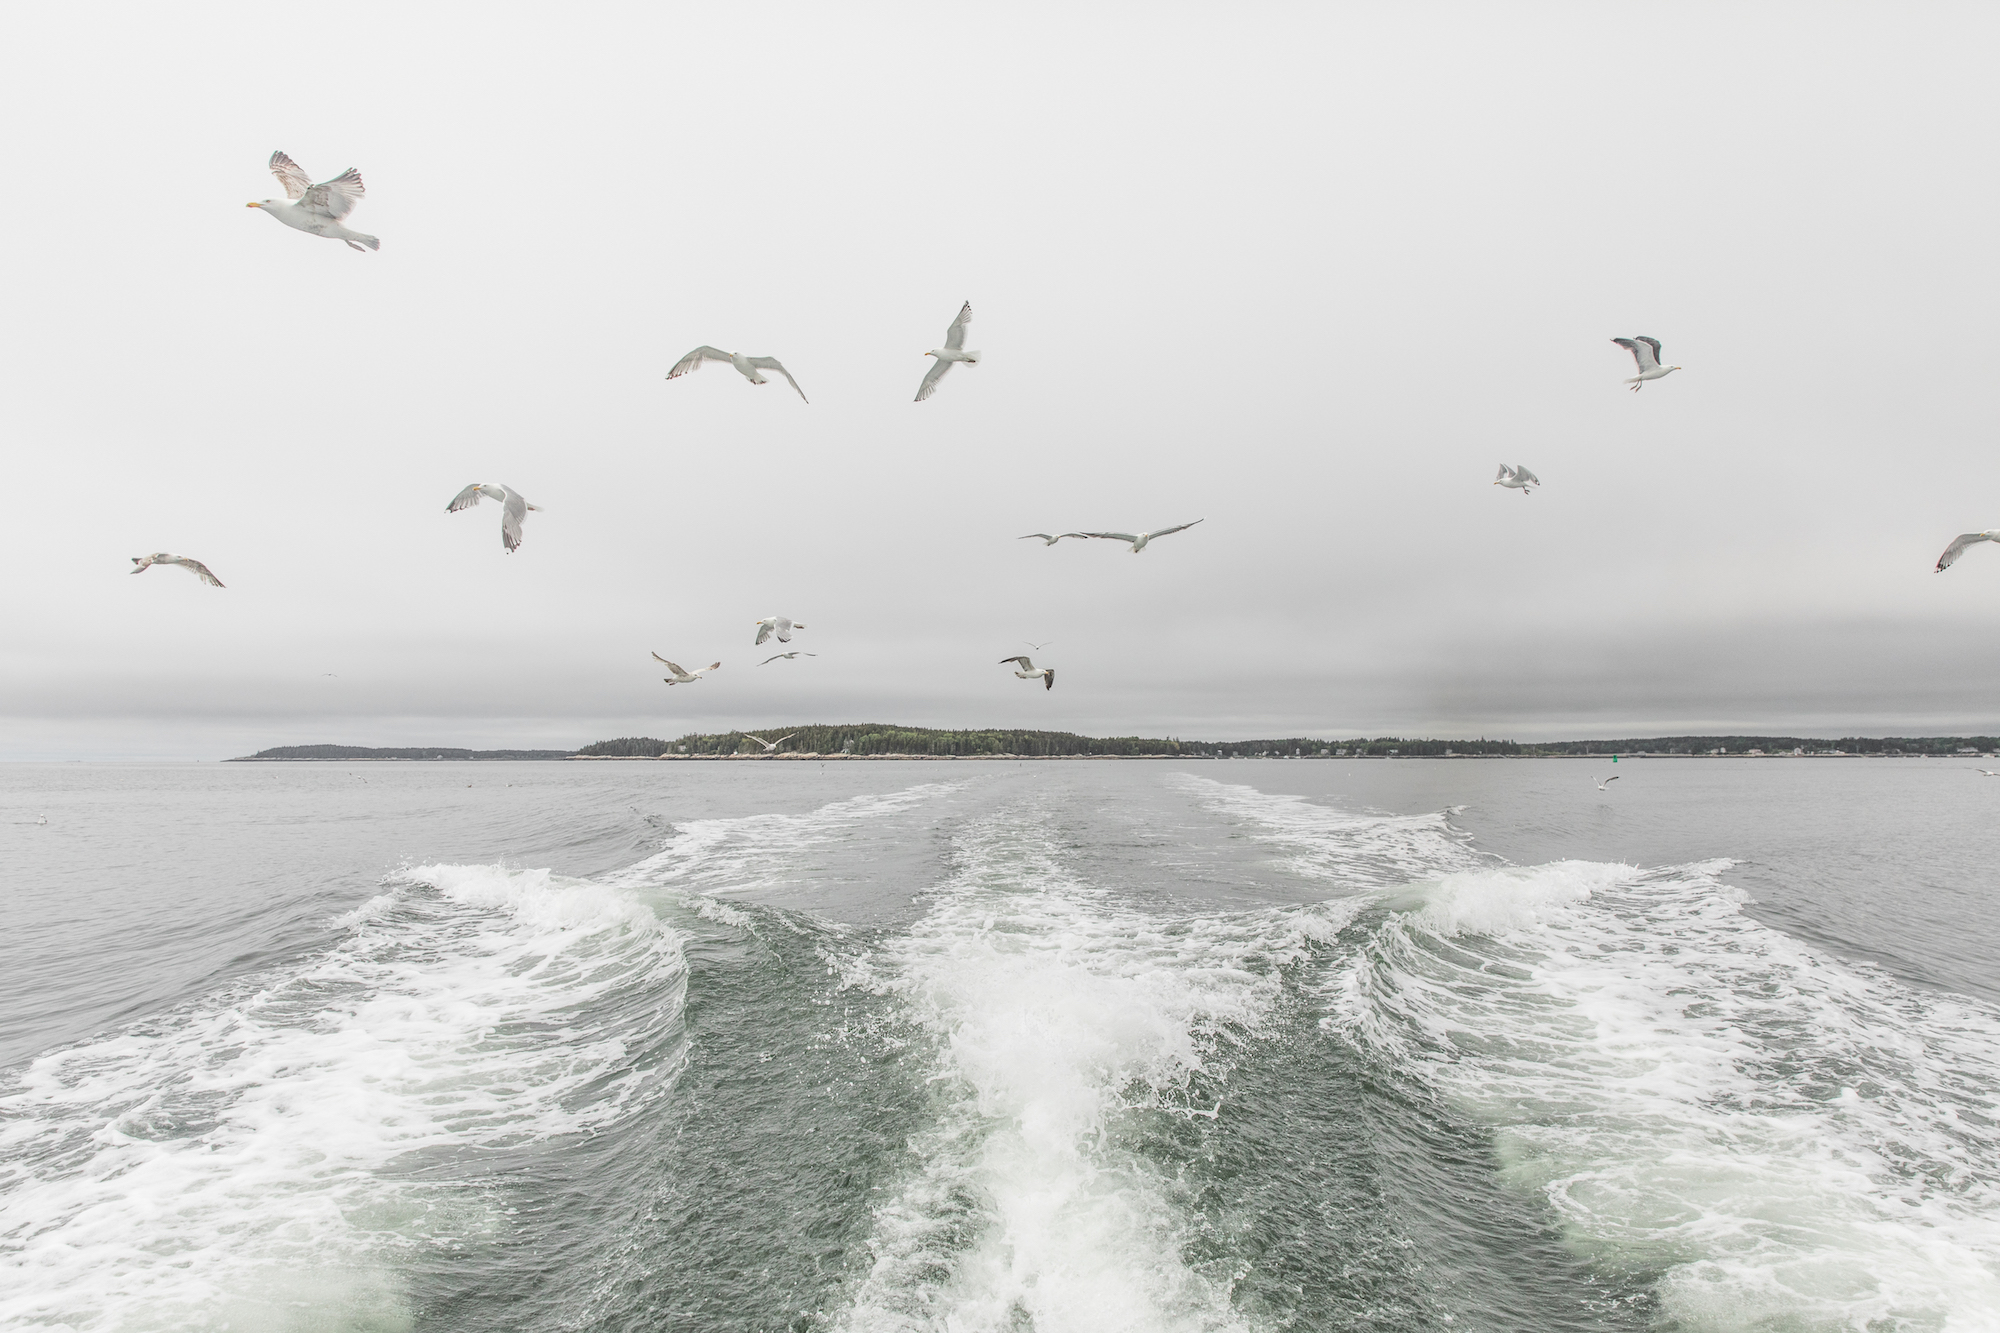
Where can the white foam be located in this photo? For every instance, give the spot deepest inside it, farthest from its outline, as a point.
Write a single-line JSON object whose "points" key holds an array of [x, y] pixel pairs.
{"points": [[707, 857], [1352, 852], [1055, 1009], [244, 1161], [1795, 1142]]}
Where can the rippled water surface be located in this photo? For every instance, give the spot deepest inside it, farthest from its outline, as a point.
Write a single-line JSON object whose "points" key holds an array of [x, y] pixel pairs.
{"points": [[1250, 1045]]}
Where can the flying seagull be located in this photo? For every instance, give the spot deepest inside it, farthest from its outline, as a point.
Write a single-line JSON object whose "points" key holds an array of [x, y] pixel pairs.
{"points": [[747, 366], [317, 208], [953, 350], [1516, 478], [1646, 351], [1050, 538], [1139, 540], [681, 677], [1962, 541], [200, 571], [1990, 772], [1028, 671], [513, 509], [770, 747], [778, 625], [1606, 784], [787, 656]]}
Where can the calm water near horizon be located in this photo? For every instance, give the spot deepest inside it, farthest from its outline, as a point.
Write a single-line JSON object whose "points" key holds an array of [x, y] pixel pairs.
{"points": [[1241, 1045]]}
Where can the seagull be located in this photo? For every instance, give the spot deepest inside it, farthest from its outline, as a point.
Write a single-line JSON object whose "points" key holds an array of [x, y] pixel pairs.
{"points": [[1606, 784], [1029, 671], [787, 656], [747, 366], [1959, 543], [1516, 478], [1139, 541], [146, 562], [778, 625], [1037, 646], [1990, 772], [320, 207], [1646, 351], [513, 509], [770, 747], [1050, 538], [953, 350], [681, 677]]}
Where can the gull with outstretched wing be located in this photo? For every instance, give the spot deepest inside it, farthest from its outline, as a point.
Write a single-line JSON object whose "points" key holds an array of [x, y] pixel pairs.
{"points": [[514, 509], [796, 652], [317, 209], [1645, 351], [193, 566], [1962, 541], [770, 747], [681, 677], [778, 625], [1606, 784], [1516, 478], [1139, 539], [953, 350], [747, 366], [1027, 670]]}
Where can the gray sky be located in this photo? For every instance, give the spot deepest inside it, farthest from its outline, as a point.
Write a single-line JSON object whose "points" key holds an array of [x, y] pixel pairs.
{"points": [[1308, 271]]}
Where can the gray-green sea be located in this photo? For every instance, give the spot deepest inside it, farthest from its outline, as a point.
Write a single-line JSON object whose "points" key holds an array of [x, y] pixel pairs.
{"points": [[1068, 1047]]}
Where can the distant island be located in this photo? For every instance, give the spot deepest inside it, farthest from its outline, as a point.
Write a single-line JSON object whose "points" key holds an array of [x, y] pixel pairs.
{"points": [[323, 753], [880, 740]]}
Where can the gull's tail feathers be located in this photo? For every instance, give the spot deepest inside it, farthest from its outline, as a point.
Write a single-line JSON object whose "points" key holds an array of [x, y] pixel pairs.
{"points": [[371, 242], [972, 358]]}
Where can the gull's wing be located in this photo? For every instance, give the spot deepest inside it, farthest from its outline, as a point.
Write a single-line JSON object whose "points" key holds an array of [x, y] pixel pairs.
{"points": [[772, 363], [1958, 544], [1612, 778], [1026, 665], [1049, 679], [465, 499], [954, 337], [671, 666], [1653, 343], [1164, 532], [1504, 473], [693, 360], [1045, 536], [1642, 352], [767, 661], [1112, 536], [291, 175], [335, 198], [763, 632], [780, 741], [933, 375], [1525, 475], [199, 568], [517, 511]]}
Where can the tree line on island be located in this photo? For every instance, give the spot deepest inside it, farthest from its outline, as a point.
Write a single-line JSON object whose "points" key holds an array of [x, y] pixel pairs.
{"points": [[883, 739], [872, 738]]}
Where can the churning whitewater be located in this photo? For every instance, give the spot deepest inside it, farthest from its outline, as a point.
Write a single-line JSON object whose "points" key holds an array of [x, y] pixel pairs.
{"points": [[1111, 1049]]}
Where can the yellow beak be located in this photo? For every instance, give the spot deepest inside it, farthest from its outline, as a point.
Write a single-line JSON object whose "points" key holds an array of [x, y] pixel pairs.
{"points": [[253, 204]]}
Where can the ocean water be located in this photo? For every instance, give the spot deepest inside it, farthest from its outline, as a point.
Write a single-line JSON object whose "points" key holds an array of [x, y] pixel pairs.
{"points": [[984, 1047]]}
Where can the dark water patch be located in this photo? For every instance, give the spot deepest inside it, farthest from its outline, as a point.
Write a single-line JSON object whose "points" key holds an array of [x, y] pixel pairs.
{"points": [[1336, 1195]]}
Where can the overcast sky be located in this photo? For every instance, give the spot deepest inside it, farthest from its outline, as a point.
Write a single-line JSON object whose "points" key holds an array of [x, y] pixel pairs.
{"points": [[1307, 271]]}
